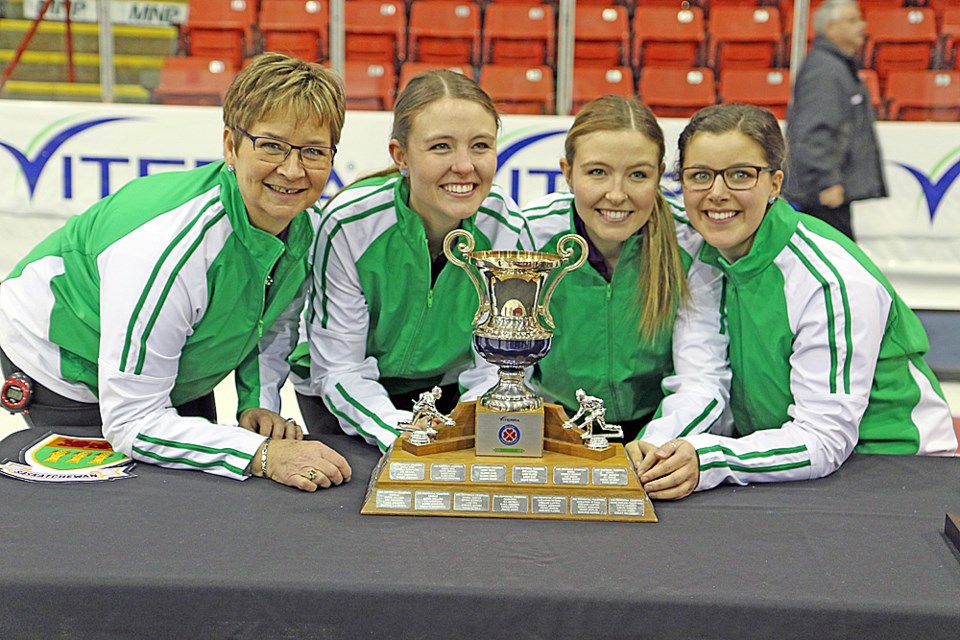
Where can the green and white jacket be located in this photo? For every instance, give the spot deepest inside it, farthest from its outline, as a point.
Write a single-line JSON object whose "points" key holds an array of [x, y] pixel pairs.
{"points": [[597, 344], [826, 359], [376, 325], [151, 298]]}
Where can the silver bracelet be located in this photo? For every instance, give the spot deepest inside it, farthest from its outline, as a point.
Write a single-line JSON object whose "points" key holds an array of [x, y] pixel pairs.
{"points": [[263, 457]]}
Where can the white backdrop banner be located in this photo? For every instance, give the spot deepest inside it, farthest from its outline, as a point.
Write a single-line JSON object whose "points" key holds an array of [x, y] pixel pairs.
{"points": [[59, 158]]}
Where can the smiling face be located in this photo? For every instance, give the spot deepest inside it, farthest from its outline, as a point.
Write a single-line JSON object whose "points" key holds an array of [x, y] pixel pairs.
{"points": [[275, 193], [451, 158], [614, 179], [728, 220]]}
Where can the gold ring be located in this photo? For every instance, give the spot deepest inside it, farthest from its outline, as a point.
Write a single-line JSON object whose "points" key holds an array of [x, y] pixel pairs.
{"points": [[311, 474]]}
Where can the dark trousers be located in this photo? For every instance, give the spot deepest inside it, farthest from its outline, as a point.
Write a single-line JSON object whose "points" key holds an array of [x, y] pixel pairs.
{"points": [[49, 409], [319, 421], [838, 218]]}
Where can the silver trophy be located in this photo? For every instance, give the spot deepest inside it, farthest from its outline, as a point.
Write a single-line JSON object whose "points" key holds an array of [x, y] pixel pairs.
{"points": [[512, 327]]}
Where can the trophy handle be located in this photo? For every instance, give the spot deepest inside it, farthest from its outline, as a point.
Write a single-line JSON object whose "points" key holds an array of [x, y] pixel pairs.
{"points": [[465, 245], [565, 254]]}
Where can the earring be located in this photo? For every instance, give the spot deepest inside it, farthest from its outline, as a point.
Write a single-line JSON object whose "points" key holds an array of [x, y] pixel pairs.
{"points": [[772, 199], [231, 168], [404, 172]]}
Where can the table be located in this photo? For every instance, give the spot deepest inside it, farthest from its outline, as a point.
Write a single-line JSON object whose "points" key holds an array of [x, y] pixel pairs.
{"points": [[860, 554]]}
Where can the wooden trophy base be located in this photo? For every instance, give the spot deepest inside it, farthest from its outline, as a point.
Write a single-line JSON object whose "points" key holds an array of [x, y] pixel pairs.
{"points": [[447, 478]]}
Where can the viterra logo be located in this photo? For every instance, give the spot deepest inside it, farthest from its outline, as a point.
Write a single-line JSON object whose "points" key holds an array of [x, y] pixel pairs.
{"points": [[934, 189], [33, 168]]}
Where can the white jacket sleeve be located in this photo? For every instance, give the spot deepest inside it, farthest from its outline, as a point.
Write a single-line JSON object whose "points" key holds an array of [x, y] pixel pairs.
{"points": [[341, 373], [141, 341], [698, 391]]}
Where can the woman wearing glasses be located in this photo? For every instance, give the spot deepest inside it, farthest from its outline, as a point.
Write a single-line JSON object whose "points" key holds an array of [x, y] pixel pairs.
{"points": [[389, 318], [127, 317], [826, 359], [615, 315]]}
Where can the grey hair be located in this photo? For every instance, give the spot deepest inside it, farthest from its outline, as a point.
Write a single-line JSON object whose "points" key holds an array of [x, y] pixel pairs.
{"points": [[829, 12]]}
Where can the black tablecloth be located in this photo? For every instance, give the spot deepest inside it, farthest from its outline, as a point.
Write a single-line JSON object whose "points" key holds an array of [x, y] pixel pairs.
{"points": [[184, 554]]}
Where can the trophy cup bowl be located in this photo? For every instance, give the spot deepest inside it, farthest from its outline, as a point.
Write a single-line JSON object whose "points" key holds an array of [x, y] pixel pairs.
{"points": [[512, 327]]}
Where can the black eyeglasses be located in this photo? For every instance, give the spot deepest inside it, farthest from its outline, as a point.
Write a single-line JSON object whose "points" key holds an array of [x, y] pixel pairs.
{"points": [[276, 151], [741, 177]]}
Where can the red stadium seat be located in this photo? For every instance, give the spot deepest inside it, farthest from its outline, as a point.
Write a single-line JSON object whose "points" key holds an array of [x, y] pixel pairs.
{"points": [[519, 89], [601, 36], [667, 37], [924, 95], [221, 29], [295, 27], [950, 37], [593, 82], [519, 34], [410, 69], [369, 86], [677, 93], [375, 31], [872, 80], [899, 39], [768, 88], [193, 80], [445, 32], [744, 37]]}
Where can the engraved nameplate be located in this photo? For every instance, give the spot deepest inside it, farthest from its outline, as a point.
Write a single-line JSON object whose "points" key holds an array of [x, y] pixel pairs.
{"points": [[448, 472], [588, 506], [548, 504], [471, 502], [571, 475], [387, 499], [432, 501], [510, 504], [529, 475], [625, 506], [608, 477], [407, 470], [488, 473]]}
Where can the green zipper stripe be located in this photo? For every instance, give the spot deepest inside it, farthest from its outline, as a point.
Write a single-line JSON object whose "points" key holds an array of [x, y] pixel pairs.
{"points": [[362, 409], [845, 301], [767, 469], [828, 304], [324, 316], [354, 424], [128, 340], [195, 447], [700, 418], [191, 463]]}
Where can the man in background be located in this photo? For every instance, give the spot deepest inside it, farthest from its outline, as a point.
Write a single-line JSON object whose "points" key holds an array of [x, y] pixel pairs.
{"points": [[833, 157]]}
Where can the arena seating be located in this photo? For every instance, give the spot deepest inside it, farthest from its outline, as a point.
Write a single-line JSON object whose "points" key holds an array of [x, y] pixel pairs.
{"points": [[617, 43]]}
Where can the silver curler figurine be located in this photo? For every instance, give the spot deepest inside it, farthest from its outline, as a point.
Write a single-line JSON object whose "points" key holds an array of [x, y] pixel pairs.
{"points": [[425, 410], [592, 411]]}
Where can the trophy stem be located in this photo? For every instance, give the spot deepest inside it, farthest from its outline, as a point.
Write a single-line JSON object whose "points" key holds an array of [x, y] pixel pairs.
{"points": [[511, 393]]}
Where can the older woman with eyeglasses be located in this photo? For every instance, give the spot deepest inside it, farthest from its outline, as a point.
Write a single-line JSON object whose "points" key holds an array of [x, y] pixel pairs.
{"points": [[126, 319], [825, 357]]}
